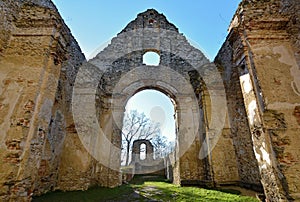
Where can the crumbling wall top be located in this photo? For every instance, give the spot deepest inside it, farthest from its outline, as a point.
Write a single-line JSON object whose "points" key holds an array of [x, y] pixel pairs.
{"points": [[150, 19]]}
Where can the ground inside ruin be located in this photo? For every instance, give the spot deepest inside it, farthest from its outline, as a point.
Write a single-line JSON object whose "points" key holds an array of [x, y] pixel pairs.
{"points": [[152, 188]]}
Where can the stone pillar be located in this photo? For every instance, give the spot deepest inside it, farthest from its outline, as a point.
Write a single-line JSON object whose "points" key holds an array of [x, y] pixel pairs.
{"points": [[190, 165]]}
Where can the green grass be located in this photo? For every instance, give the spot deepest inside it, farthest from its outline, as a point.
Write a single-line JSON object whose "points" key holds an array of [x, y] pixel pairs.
{"points": [[92, 194], [145, 189]]}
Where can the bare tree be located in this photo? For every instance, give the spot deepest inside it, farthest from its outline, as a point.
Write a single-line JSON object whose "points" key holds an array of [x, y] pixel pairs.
{"points": [[162, 146], [137, 126]]}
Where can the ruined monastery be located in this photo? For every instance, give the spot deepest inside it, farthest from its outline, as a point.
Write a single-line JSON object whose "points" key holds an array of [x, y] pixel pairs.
{"points": [[237, 117]]}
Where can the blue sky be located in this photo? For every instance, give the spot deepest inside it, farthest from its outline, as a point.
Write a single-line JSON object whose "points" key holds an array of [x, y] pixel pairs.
{"points": [[95, 22], [158, 107]]}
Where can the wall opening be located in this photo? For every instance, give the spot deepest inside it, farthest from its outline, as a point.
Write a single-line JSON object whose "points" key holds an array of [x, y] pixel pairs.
{"points": [[151, 58], [149, 115], [143, 151]]}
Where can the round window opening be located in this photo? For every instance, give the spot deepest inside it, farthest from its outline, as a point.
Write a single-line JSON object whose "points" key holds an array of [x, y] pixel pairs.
{"points": [[151, 58]]}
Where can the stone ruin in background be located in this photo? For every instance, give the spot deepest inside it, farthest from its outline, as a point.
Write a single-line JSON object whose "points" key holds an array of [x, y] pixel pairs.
{"points": [[148, 165]]}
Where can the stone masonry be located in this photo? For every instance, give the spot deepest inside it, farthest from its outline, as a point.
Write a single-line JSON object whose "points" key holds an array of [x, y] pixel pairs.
{"points": [[237, 119], [261, 58], [149, 165]]}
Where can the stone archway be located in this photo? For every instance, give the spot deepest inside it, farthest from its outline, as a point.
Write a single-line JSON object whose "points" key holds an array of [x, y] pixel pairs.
{"points": [[187, 109], [136, 150], [107, 81]]}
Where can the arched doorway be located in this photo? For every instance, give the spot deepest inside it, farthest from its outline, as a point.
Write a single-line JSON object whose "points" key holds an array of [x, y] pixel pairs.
{"points": [[149, 115], [187, 112]]}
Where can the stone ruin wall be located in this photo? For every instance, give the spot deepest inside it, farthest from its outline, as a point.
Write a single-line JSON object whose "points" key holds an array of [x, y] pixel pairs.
{"points": [[190, 169], [239, 130], [291, 8], [136, 151], [263, 50], [39, 59], [148, 165]]}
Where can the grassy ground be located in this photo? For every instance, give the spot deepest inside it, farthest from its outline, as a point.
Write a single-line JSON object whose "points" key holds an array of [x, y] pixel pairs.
{"points": [[144, 189]]}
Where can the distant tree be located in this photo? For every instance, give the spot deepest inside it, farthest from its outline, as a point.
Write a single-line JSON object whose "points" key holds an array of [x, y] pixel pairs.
{"points": [[137, 126], [160, 143], [162, 147]]}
